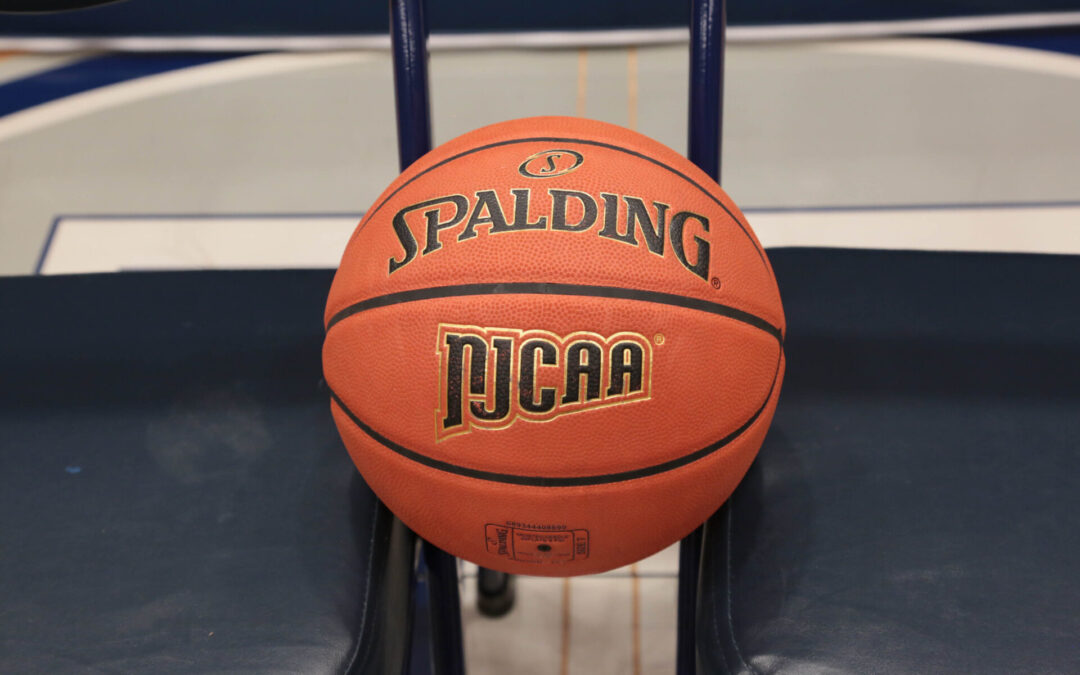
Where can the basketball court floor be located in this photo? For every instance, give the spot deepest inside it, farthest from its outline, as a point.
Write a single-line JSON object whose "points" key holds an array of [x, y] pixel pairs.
{"points": [[114, 163]]}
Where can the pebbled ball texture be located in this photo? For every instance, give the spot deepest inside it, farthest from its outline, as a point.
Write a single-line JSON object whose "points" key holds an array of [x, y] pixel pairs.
{"points": [[554, 346]]}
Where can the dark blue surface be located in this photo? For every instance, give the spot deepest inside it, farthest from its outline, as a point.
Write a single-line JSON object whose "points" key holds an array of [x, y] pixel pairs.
{"points": [[48, 5], [93, 73], [915, 507], [174, 496], [1061, 40], [337, 17]]}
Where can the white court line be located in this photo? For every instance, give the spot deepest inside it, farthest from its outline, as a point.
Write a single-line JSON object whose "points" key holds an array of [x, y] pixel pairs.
{"points": [[554, 39], [1013, 229], [936, 26], [112, 96], [959, 51], [111, 244], [17, 66], [83, 245]]}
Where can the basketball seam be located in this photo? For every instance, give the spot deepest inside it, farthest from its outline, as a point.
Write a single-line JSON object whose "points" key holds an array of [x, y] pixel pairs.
{"points": [[540, 288], [560, 481], [555, 139]]}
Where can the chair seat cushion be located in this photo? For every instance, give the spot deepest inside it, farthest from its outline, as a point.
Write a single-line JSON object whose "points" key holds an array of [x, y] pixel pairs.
{"points": [[916, 505], [174, 496]]}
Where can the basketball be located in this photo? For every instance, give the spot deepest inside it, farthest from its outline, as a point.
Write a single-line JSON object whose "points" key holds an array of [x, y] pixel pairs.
{"points": [[553, 346]]}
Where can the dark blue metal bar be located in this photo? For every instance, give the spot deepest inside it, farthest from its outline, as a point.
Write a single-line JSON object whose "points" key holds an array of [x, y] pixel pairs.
{"points": [[408, 35], [707, 24], [447, 644], [689, 572], [708, 20]]}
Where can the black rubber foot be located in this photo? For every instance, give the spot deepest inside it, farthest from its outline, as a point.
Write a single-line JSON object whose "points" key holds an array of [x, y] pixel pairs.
{"points": [[494, 592]]}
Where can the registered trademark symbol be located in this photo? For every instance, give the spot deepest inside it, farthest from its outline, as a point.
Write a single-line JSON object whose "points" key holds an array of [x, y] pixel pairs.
{"points": [[659, 338], [715, 282]]}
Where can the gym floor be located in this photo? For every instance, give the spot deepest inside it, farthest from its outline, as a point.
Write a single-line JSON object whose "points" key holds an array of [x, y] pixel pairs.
{"points": [[114, 162]]}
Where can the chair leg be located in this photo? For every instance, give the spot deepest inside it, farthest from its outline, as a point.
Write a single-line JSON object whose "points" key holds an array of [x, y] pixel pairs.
{"points": [[494, 592], [447, 643], [686, 629]]}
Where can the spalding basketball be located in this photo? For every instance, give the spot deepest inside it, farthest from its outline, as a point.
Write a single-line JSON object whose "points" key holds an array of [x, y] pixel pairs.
{"points": [[554, 346]]}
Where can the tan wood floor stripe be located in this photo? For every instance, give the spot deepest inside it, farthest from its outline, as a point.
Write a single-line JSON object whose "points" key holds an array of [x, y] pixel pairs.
{"points": [[582, 80], [565, 670], [632, 87], [635, 618]]}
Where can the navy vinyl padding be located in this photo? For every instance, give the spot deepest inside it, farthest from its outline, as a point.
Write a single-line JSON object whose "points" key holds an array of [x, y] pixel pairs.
{"points": [[174, 496], [916, 505]]}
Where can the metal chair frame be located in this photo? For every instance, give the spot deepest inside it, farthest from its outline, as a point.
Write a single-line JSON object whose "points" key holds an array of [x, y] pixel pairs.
{"points": [[408, 32]]}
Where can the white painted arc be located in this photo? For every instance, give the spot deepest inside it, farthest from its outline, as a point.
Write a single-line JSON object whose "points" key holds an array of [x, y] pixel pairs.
{"points": [[960, 51], [206, 75]]}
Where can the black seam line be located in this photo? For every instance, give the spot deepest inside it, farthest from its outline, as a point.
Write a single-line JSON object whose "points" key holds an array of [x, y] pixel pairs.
{"points": [[558, 481], [761, 254], [534, 288]]}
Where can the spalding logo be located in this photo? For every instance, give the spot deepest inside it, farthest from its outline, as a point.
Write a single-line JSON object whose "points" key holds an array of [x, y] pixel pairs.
{"points": [[491, 377], [564, 211], [550, 163]]}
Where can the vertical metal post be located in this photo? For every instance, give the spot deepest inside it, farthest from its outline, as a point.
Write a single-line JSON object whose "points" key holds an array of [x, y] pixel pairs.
{"points": [[689, 571], [708, 20], [408, 36], [447, 644], [707, 26]]}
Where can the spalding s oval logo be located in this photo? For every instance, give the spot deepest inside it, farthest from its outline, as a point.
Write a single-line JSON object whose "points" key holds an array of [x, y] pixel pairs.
{"points": [[550, 163]]}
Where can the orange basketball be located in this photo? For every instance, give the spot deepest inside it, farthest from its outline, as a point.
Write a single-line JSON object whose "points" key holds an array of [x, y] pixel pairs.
{"points": [[554, 346]]}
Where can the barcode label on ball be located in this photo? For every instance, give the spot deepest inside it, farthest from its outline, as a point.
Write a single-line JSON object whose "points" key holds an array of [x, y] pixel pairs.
{"points": [[537, 545]]}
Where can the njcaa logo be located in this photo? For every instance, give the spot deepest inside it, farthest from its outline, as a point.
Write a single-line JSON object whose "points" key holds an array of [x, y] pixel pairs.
{"points": [[491, 377], [550, 163]]}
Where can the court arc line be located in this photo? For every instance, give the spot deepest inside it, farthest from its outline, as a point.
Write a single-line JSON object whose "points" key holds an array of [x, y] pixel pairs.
{"points": [[219, 72], [944, 50]]}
